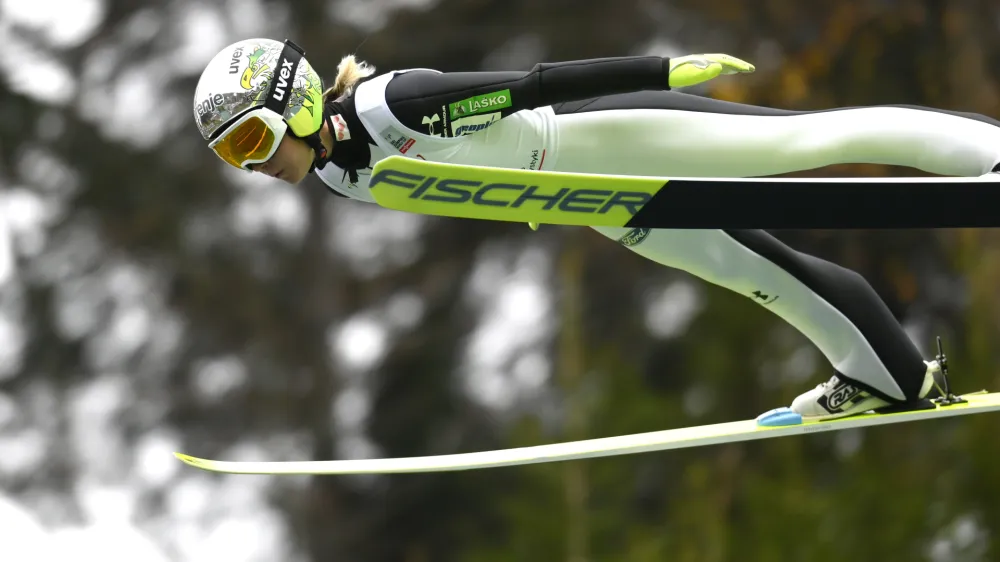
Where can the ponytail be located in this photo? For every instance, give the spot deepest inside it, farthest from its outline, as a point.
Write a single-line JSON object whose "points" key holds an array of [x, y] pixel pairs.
{"points": [[349, 72]]}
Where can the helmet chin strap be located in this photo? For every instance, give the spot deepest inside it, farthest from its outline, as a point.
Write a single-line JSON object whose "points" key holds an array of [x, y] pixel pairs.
{"points": [[348, 154], [321, 154]]}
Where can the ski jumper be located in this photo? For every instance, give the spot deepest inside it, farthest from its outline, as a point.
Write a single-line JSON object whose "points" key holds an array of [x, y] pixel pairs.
{"points": [[617, 116]]}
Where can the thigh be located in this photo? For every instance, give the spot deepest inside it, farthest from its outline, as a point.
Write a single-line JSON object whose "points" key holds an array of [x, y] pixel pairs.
{"points": [[672, 134], [671, 142]]}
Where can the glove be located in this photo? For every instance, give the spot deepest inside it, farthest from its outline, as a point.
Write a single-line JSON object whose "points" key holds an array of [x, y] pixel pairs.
{"points": [[695, 69]]}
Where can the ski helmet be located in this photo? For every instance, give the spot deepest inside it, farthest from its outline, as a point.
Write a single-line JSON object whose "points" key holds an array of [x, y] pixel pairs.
{"points": [[260, 73]]}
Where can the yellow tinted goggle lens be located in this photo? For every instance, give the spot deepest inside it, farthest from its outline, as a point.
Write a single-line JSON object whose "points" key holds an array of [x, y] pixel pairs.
{"points": [[250, 140]]}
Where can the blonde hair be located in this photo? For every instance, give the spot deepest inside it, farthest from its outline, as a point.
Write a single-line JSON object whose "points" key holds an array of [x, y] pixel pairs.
{"points": [[349, 72]]}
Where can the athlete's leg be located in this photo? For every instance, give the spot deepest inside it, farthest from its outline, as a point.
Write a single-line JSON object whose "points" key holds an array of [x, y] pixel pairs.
{"points": [[832, 306], [663, 133], [836, 308]]}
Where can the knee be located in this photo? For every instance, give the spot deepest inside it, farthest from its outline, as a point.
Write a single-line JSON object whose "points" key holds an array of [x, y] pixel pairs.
{"points": [[707, 254]]}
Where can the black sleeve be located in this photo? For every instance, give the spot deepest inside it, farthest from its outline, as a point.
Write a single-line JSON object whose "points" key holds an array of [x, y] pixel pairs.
{"points": [[430, 102]]}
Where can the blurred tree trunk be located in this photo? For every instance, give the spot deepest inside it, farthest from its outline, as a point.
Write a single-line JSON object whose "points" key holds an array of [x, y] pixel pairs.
{"points": [[571, 368]]}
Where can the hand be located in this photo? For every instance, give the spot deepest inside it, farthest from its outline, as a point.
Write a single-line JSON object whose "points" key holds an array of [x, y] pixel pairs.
{"points": [[695, 69]]}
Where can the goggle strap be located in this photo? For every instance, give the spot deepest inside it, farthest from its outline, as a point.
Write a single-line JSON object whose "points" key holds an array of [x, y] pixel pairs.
{"points": [[280, 90]]}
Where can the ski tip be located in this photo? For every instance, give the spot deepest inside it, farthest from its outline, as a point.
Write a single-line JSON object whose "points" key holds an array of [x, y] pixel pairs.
{"points": [[193, 461], [778, 417]]}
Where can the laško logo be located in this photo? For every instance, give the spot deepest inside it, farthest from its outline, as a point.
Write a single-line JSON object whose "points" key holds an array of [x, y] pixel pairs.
{"points": [[493, 101], [477, 105]]}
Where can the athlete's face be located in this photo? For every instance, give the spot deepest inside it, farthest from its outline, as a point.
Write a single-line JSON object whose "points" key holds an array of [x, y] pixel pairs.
{"points": [[290, 163]]}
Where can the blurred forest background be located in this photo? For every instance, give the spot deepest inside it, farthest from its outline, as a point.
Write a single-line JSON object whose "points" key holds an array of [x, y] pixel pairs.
{"points": [[153, 300]]}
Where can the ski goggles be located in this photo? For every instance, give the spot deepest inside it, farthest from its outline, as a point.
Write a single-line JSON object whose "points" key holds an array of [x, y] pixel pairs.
{"points": [[251, 139]]}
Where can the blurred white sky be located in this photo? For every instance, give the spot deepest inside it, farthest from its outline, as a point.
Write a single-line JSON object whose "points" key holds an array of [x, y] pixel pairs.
{"points": [[505, 361], [25, 538], [63, 23]]}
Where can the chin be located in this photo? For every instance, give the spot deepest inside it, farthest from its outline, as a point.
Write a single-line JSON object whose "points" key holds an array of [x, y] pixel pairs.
{"points": [[297, 178]]}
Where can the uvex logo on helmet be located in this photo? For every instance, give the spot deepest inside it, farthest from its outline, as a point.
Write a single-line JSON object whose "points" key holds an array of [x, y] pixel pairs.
{"points": [[234, 60], [283, 75]]}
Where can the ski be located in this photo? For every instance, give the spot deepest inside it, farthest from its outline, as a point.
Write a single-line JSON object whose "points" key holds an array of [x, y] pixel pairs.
{"points": [[780, 422], [561, 198]]}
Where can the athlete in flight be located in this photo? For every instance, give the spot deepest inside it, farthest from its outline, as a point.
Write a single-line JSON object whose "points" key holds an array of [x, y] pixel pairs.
{"points": [[612, 116]]}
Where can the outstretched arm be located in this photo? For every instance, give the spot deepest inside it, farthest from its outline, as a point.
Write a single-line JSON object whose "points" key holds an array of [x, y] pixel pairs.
{"points": [[416, 97]]}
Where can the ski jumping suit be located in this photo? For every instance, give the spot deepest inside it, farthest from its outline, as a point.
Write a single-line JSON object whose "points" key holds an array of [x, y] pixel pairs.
{"points": [[617, 116]]}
